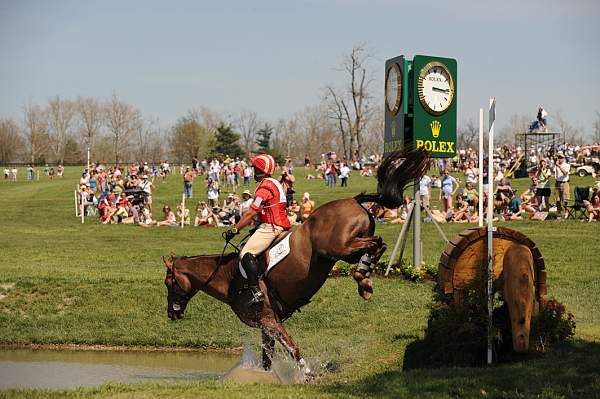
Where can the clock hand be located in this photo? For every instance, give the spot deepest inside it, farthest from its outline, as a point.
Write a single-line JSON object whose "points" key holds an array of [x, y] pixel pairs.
{"points": [[440, 90]]}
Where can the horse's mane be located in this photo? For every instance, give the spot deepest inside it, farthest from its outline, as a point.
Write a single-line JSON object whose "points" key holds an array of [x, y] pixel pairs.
{"points": [[397, 170], [225, 259]]}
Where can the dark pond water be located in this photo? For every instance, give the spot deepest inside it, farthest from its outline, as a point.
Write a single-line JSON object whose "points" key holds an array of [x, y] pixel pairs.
{"points": [[24, 368]]}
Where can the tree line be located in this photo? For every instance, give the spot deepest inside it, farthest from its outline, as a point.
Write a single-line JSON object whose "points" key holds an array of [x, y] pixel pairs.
{"points": [[347, 119]]}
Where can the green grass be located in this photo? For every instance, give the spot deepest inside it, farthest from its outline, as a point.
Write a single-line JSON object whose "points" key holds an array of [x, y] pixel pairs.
{"points": [[95, 284]]}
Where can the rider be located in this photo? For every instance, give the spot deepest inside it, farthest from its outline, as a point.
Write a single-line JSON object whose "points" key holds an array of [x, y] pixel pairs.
{"points": [[269, 203]]}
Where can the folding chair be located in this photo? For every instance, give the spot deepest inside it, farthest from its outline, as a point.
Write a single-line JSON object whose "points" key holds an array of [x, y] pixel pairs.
{"points": [[581, 194]]}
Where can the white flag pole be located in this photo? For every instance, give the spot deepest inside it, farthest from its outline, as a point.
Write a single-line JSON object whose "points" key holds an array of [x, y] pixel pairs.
{"points": [[490, 228], [480, 169]]}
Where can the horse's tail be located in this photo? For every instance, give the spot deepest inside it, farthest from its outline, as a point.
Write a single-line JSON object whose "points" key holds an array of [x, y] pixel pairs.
{"points": [[397, 170]]}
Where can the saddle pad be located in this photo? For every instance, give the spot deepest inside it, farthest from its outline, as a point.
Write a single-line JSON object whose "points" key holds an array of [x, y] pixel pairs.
{"points": [[278, 253]]}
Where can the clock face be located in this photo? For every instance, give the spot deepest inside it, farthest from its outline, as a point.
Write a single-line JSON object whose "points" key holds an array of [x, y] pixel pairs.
{"points": [[435, 88], [393, 88]]}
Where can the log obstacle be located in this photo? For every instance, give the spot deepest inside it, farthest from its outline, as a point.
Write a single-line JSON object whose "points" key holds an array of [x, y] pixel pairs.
{"points": [[519, 274]]}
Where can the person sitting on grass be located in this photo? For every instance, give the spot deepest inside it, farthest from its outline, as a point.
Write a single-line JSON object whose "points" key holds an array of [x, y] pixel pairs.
{"points": [[367, 172], [593, 206], [470, 195], [204, 215], [245, 202], [308, 206], [133, 214], [183, 215], [293, 212], [122, 211], [514, 209], [145, 218], [461, 212], [401, 214], [503, 194], [169, 218]]}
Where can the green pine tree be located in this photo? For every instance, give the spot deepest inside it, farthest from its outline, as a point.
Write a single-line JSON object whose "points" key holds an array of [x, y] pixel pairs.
{"points": [[226, 142], [263, 139]]}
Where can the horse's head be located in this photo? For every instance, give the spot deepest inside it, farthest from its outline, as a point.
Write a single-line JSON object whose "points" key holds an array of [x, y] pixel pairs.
{"points": [[179, 289]]}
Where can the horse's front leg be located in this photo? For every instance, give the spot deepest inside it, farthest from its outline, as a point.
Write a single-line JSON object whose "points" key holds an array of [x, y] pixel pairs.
{"points": [[276, 331], [365, 267], [268, 348]]}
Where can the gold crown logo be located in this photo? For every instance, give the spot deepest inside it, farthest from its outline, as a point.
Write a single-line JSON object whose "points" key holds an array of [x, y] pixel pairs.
{"points": [[435, 128]]}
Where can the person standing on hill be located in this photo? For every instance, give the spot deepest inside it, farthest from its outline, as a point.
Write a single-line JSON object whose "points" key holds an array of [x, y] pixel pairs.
{"points": [[188, 180], [344, 174]]}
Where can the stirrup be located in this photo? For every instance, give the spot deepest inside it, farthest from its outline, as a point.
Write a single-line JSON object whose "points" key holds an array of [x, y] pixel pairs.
{"points": [[257, 295]]}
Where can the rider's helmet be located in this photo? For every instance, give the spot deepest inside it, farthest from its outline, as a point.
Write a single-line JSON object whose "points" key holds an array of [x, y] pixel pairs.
{"points": [[264, 162]]}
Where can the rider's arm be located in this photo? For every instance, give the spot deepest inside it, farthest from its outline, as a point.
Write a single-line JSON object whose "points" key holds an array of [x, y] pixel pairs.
{"points": [[246, 219]]}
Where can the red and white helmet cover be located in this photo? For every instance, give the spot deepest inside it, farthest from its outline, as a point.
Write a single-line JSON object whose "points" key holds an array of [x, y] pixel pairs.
{"points": [[264, 162]]}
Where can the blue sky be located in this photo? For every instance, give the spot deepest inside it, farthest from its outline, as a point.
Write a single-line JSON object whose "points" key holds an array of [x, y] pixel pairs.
{"points": [[274, 57]]}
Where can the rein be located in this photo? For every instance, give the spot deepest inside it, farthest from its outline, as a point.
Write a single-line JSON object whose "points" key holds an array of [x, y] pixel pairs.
{"points": [[174, 280]]}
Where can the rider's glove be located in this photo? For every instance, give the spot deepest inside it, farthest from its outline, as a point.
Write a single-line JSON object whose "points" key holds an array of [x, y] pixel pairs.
{"points": [[229, 234]]}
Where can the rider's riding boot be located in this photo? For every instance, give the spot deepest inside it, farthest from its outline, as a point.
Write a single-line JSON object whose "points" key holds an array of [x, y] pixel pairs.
{"points": [[250, 265]]}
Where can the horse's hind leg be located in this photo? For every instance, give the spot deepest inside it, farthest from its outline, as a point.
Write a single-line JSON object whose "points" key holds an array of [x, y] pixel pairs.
{"points": [[357, 245], [268, 348], [361, 274]]}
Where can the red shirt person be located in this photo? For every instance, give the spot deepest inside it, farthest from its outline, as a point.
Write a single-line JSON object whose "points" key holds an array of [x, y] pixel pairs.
{"points": [[269, 204]]}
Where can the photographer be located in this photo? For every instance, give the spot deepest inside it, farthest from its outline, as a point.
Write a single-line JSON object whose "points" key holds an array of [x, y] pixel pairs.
{"points": [[287, 182], [563, 190]]}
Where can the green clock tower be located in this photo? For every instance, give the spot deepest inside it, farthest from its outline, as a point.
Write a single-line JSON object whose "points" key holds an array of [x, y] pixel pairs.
{"points": [[420, 104]]}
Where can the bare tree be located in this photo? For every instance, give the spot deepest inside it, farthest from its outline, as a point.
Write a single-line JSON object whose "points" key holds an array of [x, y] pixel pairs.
{"points": [[374, 132], [11, 141], [60, 122], [468, 135], [157, 150], [338, 112], [122, 121], [570, 134], [146, 131], [517, 124], [247, 124], [596, 127], [89, 113], [36, 131], [350, 107]]}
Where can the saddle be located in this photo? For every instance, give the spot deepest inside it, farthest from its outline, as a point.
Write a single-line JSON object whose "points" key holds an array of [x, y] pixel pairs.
{"points": [[239, 292]]}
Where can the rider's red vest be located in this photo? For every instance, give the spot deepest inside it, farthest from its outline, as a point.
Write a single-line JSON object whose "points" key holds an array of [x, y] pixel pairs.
{"points": [[272, 203]]}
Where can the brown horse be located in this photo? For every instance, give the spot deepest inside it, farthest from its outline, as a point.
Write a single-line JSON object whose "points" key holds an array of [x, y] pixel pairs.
{"points": [[338, 230]]}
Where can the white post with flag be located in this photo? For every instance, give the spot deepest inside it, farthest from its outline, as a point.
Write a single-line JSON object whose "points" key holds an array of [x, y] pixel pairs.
{"points": [[490, 229]]}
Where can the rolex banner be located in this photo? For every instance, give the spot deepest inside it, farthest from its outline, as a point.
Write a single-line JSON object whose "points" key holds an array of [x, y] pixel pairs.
{"points": [[434, 108]]}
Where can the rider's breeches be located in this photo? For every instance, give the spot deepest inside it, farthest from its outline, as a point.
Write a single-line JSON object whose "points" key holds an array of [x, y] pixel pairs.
{"points": [[261, 239]]}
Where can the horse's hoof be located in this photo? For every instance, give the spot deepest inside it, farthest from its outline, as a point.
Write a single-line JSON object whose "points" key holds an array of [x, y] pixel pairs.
{"points": [[365, 286], [365, 289]]}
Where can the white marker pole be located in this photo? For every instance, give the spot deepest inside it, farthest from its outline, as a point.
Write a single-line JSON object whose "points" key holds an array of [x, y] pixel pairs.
{"points": [[88, 161], [480, 168], [82, 210], [76, 205], [182, 209], [490, 228]]}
